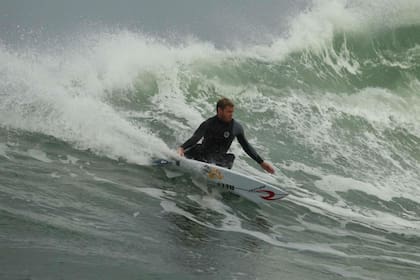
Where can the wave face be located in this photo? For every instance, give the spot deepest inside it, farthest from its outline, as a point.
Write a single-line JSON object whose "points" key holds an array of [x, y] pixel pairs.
{"points": [[334, 104]]}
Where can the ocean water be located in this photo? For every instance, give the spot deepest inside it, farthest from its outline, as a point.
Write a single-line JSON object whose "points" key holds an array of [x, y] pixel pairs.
{"points": [[333, 101]]}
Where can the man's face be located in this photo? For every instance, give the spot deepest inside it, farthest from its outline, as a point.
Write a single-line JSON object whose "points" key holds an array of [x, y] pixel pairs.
{"points": [[226, 114]]}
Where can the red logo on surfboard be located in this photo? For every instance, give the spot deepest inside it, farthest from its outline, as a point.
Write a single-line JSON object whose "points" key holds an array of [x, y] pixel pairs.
{"points": [[269, 195]]}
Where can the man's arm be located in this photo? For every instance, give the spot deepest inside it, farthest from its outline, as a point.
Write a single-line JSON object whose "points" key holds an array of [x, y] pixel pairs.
{"points": [[198, 134], [251, 151], [248, 148]]}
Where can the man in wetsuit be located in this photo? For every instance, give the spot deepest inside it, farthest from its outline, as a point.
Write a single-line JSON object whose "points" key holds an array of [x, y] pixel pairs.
{"points": [[218, 133]]}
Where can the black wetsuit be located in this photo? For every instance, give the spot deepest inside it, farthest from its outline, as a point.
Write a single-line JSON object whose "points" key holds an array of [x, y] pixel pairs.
{"points": [[217, 137]]}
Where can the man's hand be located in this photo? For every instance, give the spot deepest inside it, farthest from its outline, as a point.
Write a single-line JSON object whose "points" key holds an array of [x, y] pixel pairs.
{"points": [[267, 167], [180, 151]]}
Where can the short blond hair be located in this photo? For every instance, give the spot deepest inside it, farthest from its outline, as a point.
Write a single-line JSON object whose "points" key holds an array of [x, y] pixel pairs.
{"points": [[223, 103]]}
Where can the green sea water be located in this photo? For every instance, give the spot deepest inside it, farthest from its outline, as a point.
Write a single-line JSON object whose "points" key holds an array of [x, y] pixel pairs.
{"points": [[333, 104]]}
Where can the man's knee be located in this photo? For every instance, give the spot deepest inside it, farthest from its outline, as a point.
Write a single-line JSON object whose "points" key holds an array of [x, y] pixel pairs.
{"points": [[230, 158], [225, 160], [194, 152]]}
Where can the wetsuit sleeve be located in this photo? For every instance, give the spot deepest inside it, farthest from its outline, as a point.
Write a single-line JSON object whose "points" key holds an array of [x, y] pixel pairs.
{"points": [[246, 146], [198, 134]]}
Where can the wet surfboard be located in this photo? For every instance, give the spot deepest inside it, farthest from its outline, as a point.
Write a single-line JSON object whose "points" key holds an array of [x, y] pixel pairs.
{"points": [[229, 180]]}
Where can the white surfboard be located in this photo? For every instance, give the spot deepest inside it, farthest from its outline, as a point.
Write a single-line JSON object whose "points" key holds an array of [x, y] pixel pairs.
{"points": [[229, 180]]}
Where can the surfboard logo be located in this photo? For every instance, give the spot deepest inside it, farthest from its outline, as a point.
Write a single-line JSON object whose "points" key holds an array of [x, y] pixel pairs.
{"points": [[215, 173], [269, 195]]}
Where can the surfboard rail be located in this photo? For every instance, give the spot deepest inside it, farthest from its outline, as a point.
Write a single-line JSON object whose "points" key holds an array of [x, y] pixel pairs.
{"points": [[229, 180]]}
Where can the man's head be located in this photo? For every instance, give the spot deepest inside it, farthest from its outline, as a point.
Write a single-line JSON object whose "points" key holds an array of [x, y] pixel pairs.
{"points": [[224, 109]]}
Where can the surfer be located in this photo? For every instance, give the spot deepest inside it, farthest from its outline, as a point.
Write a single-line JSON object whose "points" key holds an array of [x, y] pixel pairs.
{"points": [[217, 133]]}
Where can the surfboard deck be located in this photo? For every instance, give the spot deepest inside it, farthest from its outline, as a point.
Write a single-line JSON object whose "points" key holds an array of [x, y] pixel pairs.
{"points": [[229, 180]]}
